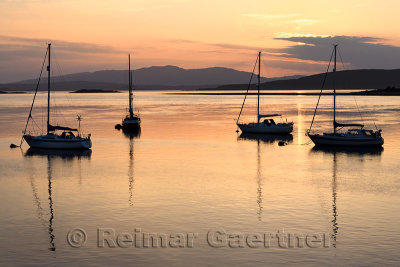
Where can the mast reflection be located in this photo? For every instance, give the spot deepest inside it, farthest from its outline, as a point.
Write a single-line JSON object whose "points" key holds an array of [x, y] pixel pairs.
{"points": [[51, 155], [131, 180], [337, 152], [262, 138], [259, 183], [335, 226], [267, 139], [51, 234]]}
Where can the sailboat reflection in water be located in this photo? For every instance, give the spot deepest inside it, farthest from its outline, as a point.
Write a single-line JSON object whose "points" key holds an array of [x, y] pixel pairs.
{"points": [[266, 138], [259, 184], [339, 152], [131, 179], [50, 155], [60, 153]]}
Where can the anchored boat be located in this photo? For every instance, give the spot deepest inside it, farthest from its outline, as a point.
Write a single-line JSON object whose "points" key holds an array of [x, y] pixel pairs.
{"points": [[268, 125], [355, 136], [132, 121], [69, 138]]}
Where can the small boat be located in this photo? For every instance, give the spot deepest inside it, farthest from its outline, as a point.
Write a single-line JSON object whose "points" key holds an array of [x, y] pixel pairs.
{"points": [[52, 139], [355, 136], [132, 121], [268, 125]]}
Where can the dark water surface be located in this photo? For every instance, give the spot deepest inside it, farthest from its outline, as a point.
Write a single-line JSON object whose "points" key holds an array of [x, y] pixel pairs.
{"points": [[190, 173]]}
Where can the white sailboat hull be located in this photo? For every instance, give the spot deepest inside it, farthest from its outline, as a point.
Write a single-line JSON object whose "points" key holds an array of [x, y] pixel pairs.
{"points": [[345, 140], [56, 142], [262, 128]]}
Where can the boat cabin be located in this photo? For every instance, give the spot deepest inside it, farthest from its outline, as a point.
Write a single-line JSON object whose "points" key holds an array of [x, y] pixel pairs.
{"points": [[360, 132], [269, 122], [354, 132], [67, 135]]}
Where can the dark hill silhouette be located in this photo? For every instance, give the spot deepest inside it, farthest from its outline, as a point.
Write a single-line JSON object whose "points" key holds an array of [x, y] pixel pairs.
{"points": [[155, 78], [175, 78], [161, 75], [349, 79]]}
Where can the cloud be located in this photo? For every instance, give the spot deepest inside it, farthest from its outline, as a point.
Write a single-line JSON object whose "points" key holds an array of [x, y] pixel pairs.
{"points": [[359, 52], [11, 42], [219, 45], [20, 56], [286, 35], [271, 16], [294, 65], [303, 22], [283, 18], [237, 47]]}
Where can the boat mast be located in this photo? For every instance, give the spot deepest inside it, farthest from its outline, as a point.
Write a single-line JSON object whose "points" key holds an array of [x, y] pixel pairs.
{"points": [[130, 89], [258, 87], [334, 92], [48, 91]]}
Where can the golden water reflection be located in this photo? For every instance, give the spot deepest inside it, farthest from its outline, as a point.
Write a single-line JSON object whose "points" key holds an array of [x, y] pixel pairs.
{"points": [[189, 171]]}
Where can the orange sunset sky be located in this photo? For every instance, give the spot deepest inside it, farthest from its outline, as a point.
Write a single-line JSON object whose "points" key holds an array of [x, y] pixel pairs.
{"points": [[296, 36]]}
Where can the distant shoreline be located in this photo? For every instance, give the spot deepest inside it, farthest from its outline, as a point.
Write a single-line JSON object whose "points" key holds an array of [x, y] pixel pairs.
{"points": [[390, 91], [90, 91], [295, 94], [12, 92]]}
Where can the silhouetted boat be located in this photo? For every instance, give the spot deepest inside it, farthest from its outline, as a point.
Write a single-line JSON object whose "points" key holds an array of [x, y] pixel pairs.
{"points": [[267, 126], [353, 136], [132, 121], [52, 140]]}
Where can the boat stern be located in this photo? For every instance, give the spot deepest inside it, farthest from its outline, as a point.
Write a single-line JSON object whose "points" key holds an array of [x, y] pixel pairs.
{"points": [[86, 144]]}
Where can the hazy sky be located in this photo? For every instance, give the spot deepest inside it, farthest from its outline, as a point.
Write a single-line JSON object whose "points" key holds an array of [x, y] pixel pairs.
{"points": [[296, 36]]}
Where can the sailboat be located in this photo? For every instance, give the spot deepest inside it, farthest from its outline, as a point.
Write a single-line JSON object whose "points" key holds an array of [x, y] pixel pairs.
{"points": [[268, 125], [132, 121], [353, 137], [52, 139]]}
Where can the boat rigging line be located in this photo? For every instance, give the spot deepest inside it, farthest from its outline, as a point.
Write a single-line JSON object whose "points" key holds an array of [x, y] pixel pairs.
{"points": [[248, 88], [354, 97], [320, 94], [34, 97]]}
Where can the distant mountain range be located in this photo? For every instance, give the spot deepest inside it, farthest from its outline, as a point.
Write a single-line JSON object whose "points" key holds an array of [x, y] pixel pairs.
{"points": [[175, 78], [156, 78], [349, 79]]}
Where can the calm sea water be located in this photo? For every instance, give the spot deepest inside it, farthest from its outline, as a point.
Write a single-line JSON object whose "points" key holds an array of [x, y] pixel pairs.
{"points": [[189, 175]]}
